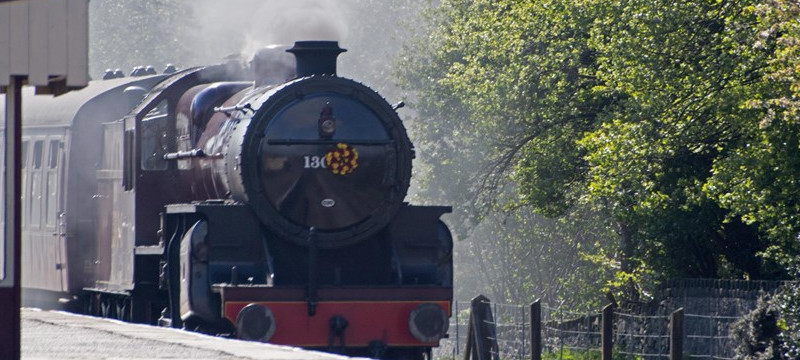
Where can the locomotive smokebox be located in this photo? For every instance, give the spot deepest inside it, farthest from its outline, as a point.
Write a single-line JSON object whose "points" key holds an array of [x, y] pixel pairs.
{"points": [[316, 57]]}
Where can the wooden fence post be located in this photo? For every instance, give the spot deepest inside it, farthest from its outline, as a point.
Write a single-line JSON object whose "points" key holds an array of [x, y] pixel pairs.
{"points": [[470, 348], [482, 333], [676, 335], [607, 332], [536, 330]]}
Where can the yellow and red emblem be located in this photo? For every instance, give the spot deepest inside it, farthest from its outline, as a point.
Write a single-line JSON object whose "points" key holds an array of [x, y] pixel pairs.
{"points": [[342, 160]]}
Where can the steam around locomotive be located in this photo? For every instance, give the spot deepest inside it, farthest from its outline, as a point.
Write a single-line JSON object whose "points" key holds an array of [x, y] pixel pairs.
{"points": [[272, 212]]}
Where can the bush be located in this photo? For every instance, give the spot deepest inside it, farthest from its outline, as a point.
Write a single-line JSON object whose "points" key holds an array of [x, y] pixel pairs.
{"points": [[789, 304], [772, 329], [756, 334]]}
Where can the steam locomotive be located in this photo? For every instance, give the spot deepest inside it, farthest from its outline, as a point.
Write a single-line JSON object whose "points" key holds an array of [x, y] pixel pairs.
{"points": [[194, 199]]}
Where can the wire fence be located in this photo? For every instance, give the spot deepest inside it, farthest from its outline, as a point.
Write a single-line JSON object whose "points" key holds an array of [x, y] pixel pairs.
{"points": [[641, 336], [708, 337], [578, 335], [569, 331], [640, 331]]}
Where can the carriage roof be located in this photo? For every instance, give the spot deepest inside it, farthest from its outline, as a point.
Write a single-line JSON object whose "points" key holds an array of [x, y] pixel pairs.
{"points": [[47, 110]]}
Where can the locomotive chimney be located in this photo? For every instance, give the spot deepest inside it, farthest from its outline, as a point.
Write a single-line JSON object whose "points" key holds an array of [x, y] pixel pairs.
{"points": [[316, 57]]}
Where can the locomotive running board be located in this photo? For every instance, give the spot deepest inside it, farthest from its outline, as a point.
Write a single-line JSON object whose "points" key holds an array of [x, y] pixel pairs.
{"points": [[256, 293]]}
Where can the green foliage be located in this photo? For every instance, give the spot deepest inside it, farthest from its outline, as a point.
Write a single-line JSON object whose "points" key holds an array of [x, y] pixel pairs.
{"points": [[675, 123], [687, 69], [595, 354], [497, 123], [493, 85], [758, 181], [568, 354]]}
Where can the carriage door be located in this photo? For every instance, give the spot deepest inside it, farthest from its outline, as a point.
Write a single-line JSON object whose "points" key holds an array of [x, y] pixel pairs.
{"points": [[109, 223], [54, 216]]}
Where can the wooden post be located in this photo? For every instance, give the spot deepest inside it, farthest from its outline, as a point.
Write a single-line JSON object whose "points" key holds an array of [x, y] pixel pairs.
{"points": [[484, 329], [470, 333], [676, 335], [10, 284], [607, 332], [536, 330], [482, 334]]}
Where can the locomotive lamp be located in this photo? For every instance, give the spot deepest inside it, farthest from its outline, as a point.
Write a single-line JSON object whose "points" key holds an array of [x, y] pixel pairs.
{"points": [[326, 123], [256, 323], [428, 322]]}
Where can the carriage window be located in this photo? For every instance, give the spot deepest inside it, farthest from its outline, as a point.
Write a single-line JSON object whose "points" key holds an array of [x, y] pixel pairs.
{"points": [[35, 208], [37, 154], [154, 138], [51, 190], [52, 159], [24, 180], [24, 155]]}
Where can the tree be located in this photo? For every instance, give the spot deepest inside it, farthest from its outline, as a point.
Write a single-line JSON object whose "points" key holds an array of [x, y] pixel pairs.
{"points": [[758, 181], [687, 69], [128, 33], [642, 111], [491, 90]]}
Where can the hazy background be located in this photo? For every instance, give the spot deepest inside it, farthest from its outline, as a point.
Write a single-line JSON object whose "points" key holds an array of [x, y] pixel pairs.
{"points": [[127, 33]]}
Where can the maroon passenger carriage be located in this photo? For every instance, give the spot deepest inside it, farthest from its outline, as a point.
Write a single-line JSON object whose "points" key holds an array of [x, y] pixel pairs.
{"points": [[275, 213]]}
